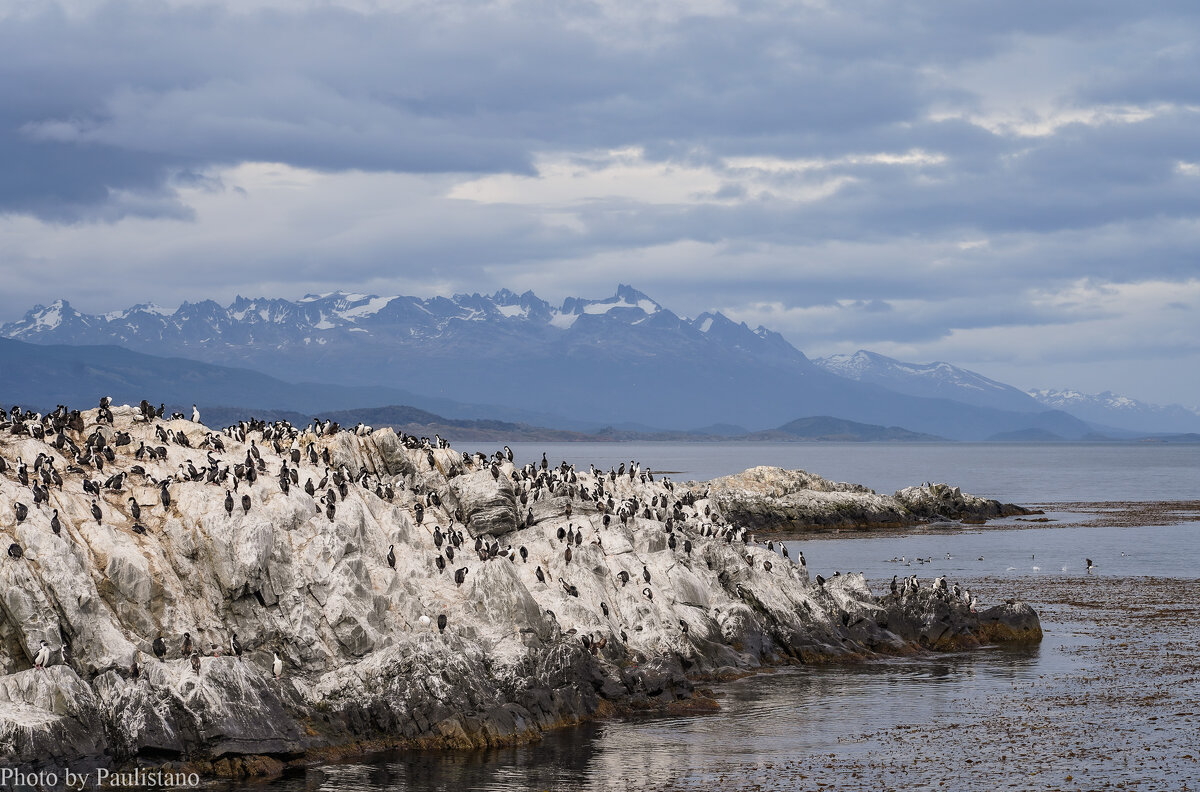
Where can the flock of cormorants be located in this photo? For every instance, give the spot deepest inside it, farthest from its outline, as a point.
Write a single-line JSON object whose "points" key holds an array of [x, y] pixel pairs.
{"points": [[87, 457]]}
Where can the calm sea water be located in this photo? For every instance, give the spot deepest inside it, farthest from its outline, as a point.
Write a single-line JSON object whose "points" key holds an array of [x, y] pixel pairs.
{"points": [[1013, 473], [770, 719]]}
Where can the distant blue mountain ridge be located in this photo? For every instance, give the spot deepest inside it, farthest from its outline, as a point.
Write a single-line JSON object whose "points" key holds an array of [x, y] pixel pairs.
{"points": [[620, 361]]}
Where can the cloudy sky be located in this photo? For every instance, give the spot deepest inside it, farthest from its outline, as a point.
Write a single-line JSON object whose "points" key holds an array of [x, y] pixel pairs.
{"points": [[1013, 187]]}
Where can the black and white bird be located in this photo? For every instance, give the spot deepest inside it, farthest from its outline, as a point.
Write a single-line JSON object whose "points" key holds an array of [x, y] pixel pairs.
{"points": [[235, 646], [22, 511], [277, 666], [391, 556], [160, 647], [42, 658], [96, 512], [441, 622]]}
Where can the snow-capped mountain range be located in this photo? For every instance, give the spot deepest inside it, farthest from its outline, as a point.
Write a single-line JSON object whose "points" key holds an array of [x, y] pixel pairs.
{"points": [[624, 360], [1115, 410], [321, 318], [933, 380]]}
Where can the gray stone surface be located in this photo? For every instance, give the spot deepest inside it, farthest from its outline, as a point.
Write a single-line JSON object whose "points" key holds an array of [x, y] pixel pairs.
{"points": [[364, 660]]}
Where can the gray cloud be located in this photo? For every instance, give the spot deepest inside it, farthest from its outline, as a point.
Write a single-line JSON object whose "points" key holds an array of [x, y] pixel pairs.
{"points": [[1047, 145]]}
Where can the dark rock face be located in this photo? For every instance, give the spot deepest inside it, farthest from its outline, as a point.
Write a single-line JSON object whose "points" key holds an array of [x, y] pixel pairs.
{"points": [[483, 651]]}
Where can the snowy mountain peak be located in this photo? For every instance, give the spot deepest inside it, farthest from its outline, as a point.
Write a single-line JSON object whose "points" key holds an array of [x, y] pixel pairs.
{"points": [[932, 380], [44, 319], [1116, 410], [627, 298]]}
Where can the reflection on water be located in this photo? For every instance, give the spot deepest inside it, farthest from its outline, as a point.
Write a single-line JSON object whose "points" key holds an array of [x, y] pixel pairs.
{"points": [[763, 719], [769, 719]]}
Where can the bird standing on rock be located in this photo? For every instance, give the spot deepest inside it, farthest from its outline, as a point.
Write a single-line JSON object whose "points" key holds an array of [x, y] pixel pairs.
{"points": [[245, 504], [391, 556], [160, 647], [441, 622], [229, 503], [186, 649], [277, 666], [96, 512], [196, 662], [42, 658]]}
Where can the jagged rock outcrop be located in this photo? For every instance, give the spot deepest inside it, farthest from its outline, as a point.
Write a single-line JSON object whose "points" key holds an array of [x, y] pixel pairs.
{"points": [[511, 604], [773, 499]]}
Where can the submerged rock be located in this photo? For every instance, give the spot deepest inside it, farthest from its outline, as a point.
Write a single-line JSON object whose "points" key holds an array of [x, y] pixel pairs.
{"points": [[512, 601]]}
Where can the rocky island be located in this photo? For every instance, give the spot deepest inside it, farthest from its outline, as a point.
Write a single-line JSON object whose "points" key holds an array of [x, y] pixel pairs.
{"points": [[228, 602]]}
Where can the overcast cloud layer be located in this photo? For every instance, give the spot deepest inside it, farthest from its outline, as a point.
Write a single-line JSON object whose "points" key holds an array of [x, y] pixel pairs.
{"points": [[1011, 187]]}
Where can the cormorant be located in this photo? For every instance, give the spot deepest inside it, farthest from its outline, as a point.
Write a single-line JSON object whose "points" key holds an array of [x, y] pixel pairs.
{"points": [[391, 556]]}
